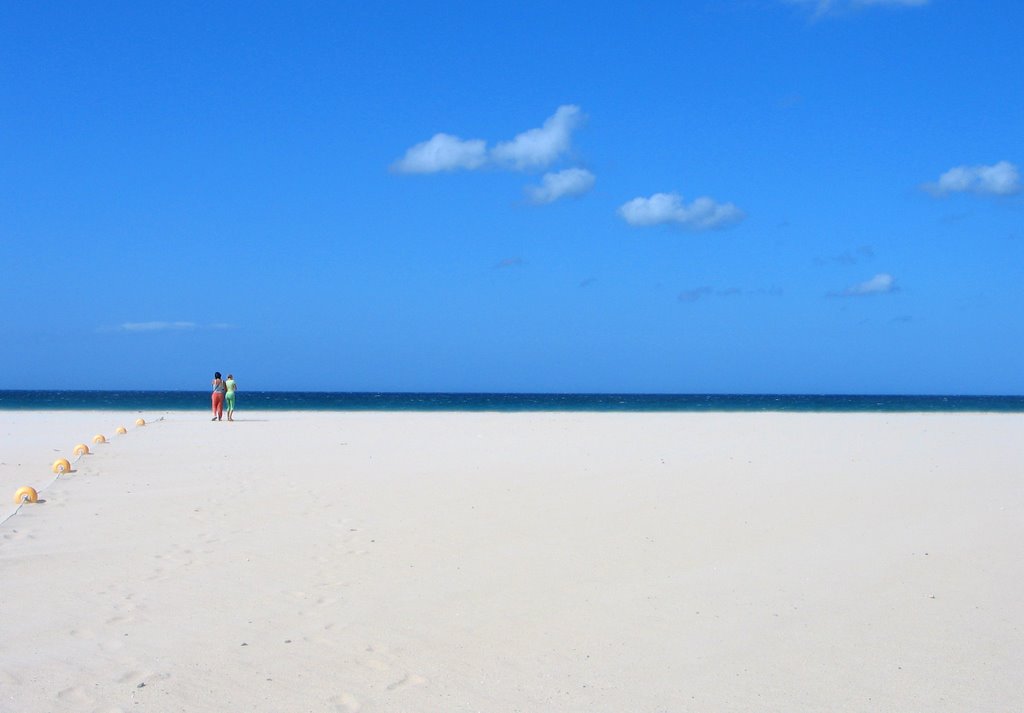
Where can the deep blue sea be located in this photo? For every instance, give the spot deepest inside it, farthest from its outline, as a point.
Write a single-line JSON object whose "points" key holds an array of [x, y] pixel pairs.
{"points": [[327, 401]]}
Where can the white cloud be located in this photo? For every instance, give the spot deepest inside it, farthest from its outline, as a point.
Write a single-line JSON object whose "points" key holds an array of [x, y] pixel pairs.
{"points": [[159, 326], [880, 284], [825, 7], [570, 182], [695, 294], [908, 3], [1001, 179], [156, 326], [538, 148], [702, 214], [531, 150], [443, 152], [698, 293], [850, 257]]}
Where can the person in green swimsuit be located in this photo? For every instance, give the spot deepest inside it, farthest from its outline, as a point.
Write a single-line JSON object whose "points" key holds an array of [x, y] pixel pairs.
{"points": [[229, 396]]}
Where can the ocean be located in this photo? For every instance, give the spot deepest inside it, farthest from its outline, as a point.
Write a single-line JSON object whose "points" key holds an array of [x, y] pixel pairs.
{"points": [[390, 401]]}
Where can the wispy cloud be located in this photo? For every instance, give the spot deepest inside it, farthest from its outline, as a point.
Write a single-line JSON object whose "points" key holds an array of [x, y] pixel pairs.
{"points": [[695, 293], [570, 182], [533, 149], [999, 179], [507, 262], [443, 152], [880, 284], [827, 7], [907, 3], [156, 326], [850, 257], [698, 293], [160, 326], [538, 148], [669, 208]]}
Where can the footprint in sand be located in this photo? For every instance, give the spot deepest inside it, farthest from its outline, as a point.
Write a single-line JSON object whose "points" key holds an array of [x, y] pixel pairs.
{"points": [[112, 646], [177, 556], [15, 535], [74, 694], [407, 680], [380, 661], [130, 677], [137, 676], [345, 703]]}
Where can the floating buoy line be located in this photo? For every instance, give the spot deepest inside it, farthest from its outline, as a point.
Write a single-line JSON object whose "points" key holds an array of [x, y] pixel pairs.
{"points": [[62, 466]]}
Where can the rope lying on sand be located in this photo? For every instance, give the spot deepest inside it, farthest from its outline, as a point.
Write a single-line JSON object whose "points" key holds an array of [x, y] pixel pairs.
{"points": [[61, 466]]}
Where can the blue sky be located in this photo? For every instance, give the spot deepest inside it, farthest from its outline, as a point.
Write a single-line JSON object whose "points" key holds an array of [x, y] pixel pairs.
{"points": [[708, 196]]}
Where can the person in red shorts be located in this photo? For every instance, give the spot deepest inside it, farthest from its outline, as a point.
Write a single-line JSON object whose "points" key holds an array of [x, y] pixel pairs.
{"points": [[219, 389]]}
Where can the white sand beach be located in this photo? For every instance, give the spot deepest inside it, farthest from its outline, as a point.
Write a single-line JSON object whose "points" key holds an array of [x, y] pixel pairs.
{"points": [[500, 562]]}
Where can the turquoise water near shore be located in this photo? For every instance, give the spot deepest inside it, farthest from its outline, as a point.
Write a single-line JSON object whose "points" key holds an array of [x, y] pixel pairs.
{"points": [[388, 401]]}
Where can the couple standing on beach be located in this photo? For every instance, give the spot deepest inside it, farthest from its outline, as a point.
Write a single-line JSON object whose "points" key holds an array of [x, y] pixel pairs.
{"points": [[223, 390]]}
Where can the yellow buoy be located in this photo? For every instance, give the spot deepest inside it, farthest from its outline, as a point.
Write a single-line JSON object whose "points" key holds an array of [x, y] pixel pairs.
{"points": [[61, 465], [122, 429], [140, 422], [26, 494], [99, 438], [81, 449]]}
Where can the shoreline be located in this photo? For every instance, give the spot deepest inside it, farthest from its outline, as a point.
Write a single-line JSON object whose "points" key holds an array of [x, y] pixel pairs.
{"points": [[516, 561], [403, 402]]}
